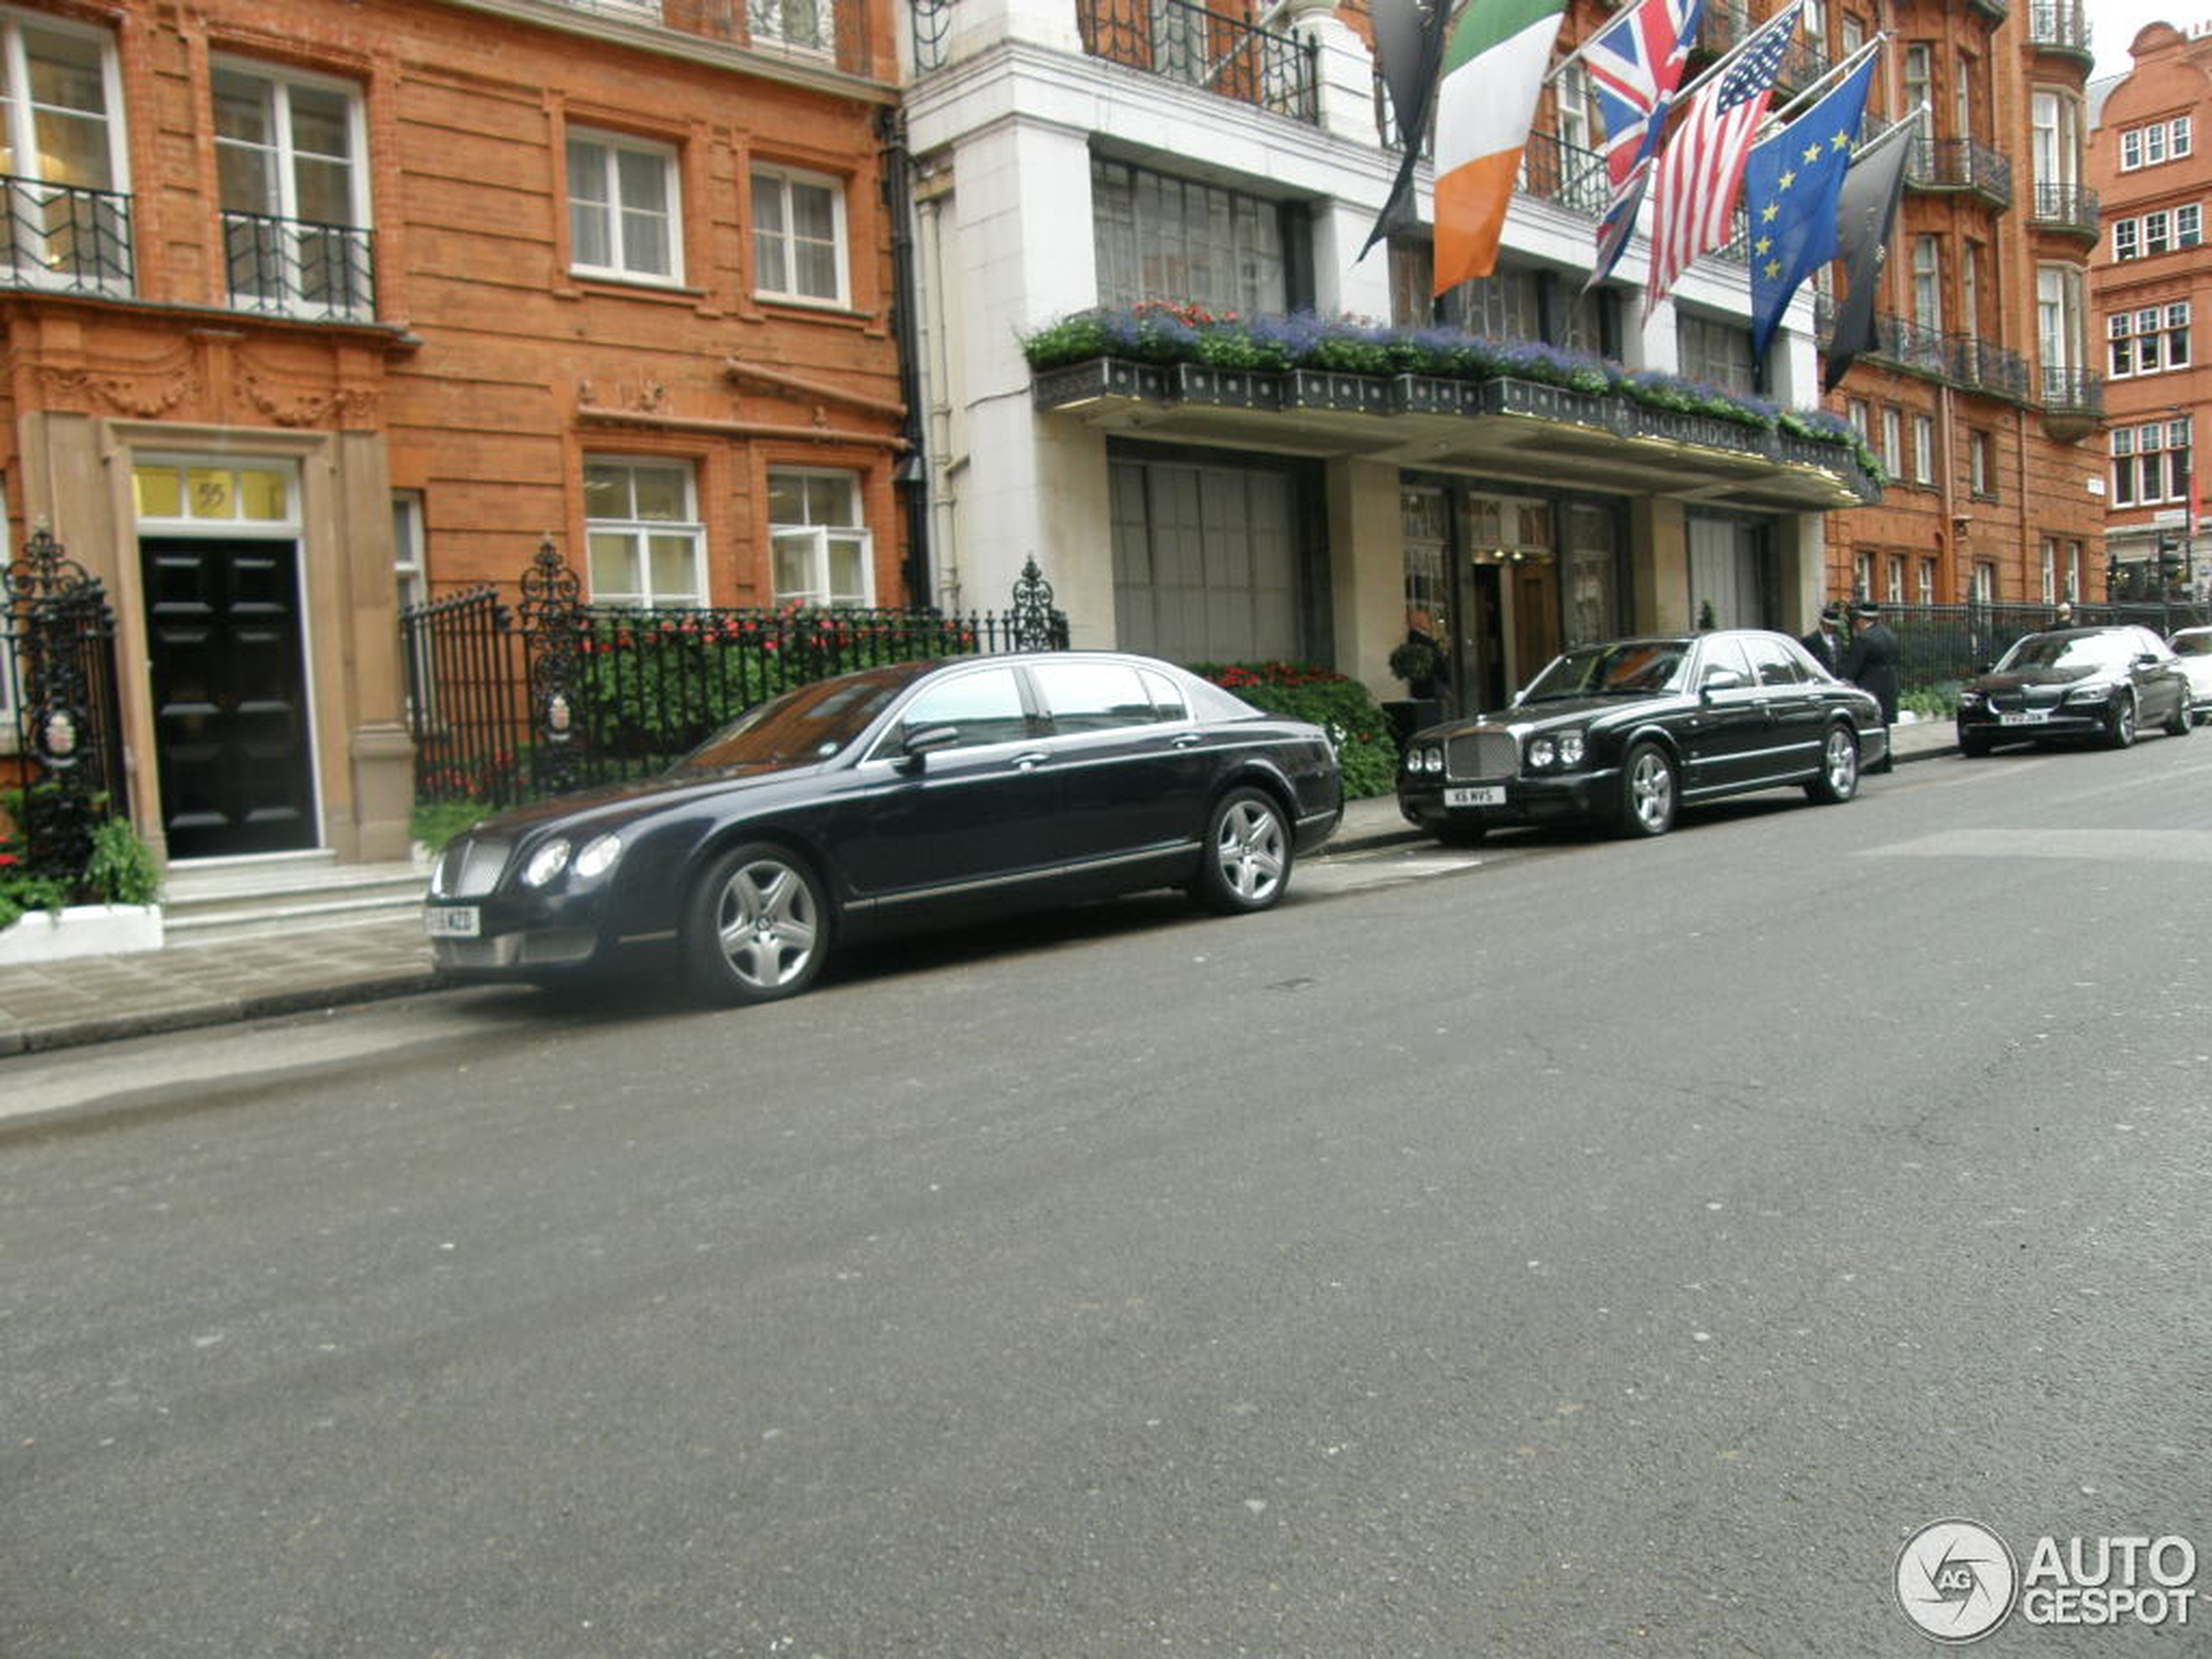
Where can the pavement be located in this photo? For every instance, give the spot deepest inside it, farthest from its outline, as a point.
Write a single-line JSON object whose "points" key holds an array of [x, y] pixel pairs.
{"points": [[103, 999]]}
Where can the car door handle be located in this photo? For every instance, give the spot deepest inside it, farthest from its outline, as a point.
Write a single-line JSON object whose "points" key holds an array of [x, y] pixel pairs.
{"points": [[1185, 740], [1031, 761]]}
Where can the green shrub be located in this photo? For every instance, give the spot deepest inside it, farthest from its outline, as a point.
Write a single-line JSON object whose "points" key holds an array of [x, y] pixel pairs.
{"points": [[436, 822], [1342, 707], [119, 869], [1932, 702]]}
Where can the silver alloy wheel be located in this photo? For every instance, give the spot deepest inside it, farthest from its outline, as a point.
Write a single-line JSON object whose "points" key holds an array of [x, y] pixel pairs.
{"points": [[1651, 791], [1843, 762], [2123, 721], [765, 923], [1248, 851]]}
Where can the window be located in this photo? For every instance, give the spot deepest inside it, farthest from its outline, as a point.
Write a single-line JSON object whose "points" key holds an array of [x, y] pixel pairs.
{"points": [[1093, 696], [1981, 464], [643, 531], [1718, 353], [2177, 137], [1894, 591], [1893, 442], [1962, 100], [623, 220], [1970, 287], [2055, 142], [2188, 226], [1983, 588], [2154, 145], [1925, 592], [1572, 93], [2050, 570], [1927, 282], [2060, 336], [1773, 663], [1854, 34], [822, 552], [1862, 575], [2125, 243], [1855, 412], [1919, 81], [57, 87], [1923, 450], [797, 236], [1159, 237], [796, 25], [295, 198], [2150, 464], [985, 707], [2074, 569], [2157, 232], [2146, 341], [2131, 149]]}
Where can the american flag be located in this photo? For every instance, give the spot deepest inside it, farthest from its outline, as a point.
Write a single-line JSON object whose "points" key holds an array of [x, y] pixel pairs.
{"points": [[1701, 171], [1634, 64]]}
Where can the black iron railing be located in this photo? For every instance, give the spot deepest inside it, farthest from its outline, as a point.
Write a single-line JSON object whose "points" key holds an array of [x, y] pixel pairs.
{"points": [[1806, 62], [57, 691], [1564, 172], [2073, 391], [2067, 207], [1975, 362], [65, 237], [2062, 23], [1913, 345], [510, 702], [1961, 164], [1214, 50], [296, 267], [1942, 646]]}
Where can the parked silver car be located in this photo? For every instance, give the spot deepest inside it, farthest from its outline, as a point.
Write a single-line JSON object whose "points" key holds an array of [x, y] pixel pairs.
{"points": [[2193, 647]]}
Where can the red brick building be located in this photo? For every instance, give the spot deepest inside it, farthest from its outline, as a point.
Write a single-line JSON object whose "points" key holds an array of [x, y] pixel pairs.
{"points": [[2150, 161], [1982, 398], [311, 307]]}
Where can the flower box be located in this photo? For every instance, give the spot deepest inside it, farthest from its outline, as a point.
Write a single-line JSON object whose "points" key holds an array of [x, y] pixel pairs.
{"points": [[1427, 395], [1329, 389], [1228, 388], [1544, 403], [1098, 377], [80, 930]]}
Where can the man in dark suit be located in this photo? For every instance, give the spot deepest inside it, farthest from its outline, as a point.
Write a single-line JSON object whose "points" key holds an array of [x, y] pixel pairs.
{"points": [[1874, 661], [1825, 641]]}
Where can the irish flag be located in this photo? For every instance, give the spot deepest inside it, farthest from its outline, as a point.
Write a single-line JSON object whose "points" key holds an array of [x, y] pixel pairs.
{"points": [[1493, 71]]}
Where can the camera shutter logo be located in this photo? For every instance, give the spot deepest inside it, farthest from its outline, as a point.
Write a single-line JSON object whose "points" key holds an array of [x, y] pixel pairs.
{"points": [[1956, 1580]]}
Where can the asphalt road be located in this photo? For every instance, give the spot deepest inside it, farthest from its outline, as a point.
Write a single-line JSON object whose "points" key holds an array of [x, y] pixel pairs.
{"points": [[1574, 1247]]}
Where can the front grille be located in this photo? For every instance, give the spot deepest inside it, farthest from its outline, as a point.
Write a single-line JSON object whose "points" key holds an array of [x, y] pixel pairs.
{"points": [[1474, 755], [470, 868]]}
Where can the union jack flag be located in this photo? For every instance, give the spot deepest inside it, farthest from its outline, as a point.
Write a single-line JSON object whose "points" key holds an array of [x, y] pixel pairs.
{"points": [[1634, 63]]}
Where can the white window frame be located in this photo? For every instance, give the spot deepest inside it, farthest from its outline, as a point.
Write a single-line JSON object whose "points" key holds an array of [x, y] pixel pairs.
{"points": [[2127, 243], [2123, 466], [640, 594], [31, 263], [278, 84], [1893, 439], [769, 24], [1981, 465], [2176, 340], [1927, 282], [613, 146], [1923, 449], [2050, 570], [2189, 225], [781, 179], [1925, 592], [814, 540], [2158, 231], [1862, 575], [1982, 583], [2177, 143]]}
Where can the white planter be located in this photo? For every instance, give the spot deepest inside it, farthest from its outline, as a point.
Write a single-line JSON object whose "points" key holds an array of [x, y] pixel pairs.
{"points": [[80, 930]]}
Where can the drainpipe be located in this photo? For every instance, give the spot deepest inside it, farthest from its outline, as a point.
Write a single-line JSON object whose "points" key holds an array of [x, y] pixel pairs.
{"points": [[911, 475]]}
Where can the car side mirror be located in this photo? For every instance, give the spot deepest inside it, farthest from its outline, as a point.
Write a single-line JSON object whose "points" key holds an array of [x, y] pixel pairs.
{"points": [[2146, 659], [1722, 679], [918, 745]]}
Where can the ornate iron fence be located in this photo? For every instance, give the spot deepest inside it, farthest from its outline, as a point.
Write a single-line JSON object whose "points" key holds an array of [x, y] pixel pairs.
{"points": [[1944, 644], [64, 237], [295, 268], [1213, 49], [58, 684], [509, 704]]}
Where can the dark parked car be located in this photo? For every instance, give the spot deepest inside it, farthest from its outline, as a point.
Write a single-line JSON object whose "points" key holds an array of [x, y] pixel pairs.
{"points": [[2101, 684], [903, 797], [1629, 732]]}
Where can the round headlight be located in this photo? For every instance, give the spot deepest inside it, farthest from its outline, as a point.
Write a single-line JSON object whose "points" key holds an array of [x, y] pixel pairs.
{"points": [[1570, 749], [1542, 752], [546, 863], [598, 856], [1431, 760]]}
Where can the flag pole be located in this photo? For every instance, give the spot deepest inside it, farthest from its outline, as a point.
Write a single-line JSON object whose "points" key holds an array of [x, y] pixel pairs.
{"points": [[1778, 119], [1794, 11]]}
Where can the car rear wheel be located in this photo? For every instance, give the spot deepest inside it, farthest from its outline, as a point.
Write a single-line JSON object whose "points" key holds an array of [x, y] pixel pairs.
{"points": [[1246, 860], [2120, 724], [1647, 793], [757, 925], [1838, 780], [2184, 715]]}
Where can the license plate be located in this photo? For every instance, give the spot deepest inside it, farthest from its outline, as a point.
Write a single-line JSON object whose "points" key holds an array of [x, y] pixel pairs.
{"points": [[452, 921], [1476, 795], [2030, 717]]}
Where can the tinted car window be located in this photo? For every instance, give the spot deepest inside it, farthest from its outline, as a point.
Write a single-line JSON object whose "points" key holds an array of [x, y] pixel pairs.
{"points": [[1092, 697], [1167, 696], [983, 707], [1773, 663], [807, 724], [2192, 644], [2069, 650], [1636, 667], [1721, 657]]}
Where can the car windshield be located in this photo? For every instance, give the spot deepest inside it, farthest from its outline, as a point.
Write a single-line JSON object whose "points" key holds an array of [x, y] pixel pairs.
{"points": [[800, 727], [2192, 644], [2069, 650], [1632, 668]]}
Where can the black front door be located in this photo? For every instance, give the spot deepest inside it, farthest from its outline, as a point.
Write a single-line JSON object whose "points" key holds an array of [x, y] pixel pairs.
{"points": [[230, 696]]}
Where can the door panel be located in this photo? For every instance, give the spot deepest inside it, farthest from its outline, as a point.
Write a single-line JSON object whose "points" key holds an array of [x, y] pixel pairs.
{"points": [[230, 696]]}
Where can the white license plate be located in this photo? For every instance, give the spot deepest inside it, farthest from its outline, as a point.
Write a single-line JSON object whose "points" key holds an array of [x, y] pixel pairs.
{"points": [[2029, 717], [1476, 795], [452, 921]]}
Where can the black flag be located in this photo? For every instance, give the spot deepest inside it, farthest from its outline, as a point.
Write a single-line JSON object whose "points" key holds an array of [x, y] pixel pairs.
{"points": [[1865, 208], [1409, 39]]}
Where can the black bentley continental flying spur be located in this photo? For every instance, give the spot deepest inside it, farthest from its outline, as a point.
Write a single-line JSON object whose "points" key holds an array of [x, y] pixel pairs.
{"points": [[904, 797], [1629, 732]]}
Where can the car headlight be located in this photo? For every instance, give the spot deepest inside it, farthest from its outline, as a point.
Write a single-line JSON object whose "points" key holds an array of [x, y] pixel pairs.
{"points": [[546, 863], [597, 857], [1431, 760], [1970, 699], [1542, 752], [2089, 694], [1570, 749]]}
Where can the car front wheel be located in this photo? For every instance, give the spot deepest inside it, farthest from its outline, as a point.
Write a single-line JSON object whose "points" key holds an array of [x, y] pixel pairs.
{"points": [[1246, 860], [757, 925], [1648, 794], [2120, 724], [1838, 777], [2184, 715]]}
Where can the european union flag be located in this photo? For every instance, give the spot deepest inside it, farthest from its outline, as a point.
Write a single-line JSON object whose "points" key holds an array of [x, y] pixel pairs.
{"points": [[1790, 186]]}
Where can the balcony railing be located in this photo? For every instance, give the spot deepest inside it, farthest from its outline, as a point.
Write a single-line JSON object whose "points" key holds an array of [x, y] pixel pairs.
{"points": [[2067, 207], [293, 268], [1985, 368], [1806, 62], [1564, 172], [2073, 391], [1210, 49], [1912, 345], [64, 237], [2060, 25], [810, 31], [1961, 164]]}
